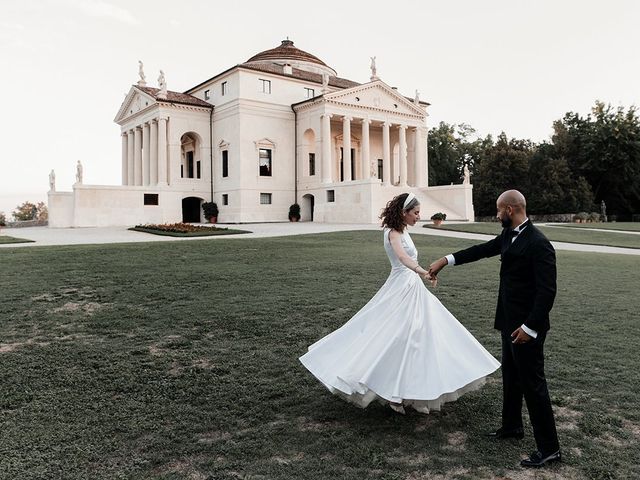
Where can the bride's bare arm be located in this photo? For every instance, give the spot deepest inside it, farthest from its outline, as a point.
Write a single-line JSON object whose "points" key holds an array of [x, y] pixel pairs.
{"points": [[395, 238]]}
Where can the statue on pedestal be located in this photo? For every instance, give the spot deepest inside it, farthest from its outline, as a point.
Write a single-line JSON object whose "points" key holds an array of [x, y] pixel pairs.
{"points": [[52, 181], [162, 85], [603, 211], [79, 172], [467, 175], [374, 75], [143, 79]]}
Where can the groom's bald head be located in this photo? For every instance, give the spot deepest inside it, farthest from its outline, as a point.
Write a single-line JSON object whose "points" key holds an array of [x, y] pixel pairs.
{"points": [[512, 198]]}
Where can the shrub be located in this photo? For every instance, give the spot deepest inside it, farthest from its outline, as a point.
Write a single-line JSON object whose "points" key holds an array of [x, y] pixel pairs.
{"points": [[581, 216], [210, 209], [439, 216], [3, 219], [294, 212], [593, 217]]}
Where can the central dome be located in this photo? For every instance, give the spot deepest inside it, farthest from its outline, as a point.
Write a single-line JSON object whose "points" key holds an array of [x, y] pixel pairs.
{"points": [[286, 52]]}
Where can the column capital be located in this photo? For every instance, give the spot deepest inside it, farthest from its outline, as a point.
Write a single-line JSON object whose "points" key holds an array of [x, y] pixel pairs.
{"points": [[386, 124], [366, 120], [327, 115], [402, 127], [347, 118]]}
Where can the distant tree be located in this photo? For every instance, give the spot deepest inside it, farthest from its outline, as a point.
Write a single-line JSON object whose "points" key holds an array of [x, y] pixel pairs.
{"points": [[502, 166], [604, 148], [3, 219], [26, 211], [553, 188], [450, 148], [31, 211], [42, 213]]}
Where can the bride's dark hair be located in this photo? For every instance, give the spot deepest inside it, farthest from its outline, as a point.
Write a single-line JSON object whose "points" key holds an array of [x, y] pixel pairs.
{"points": [[392, 214]]}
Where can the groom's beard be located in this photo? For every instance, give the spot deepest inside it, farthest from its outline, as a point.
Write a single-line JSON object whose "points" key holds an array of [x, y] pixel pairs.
{"points": [[506, 222]]}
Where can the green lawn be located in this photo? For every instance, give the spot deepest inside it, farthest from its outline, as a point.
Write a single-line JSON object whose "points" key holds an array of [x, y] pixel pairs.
{"points": [[555, 234], [179, 361], [624, 226], [7, 239]]}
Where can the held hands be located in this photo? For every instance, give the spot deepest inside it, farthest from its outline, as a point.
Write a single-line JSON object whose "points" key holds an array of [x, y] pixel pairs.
{"points": [[435, 268], [432, 279]]}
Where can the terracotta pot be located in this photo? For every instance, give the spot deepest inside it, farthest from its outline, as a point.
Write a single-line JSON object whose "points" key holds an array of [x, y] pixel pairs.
{"points": [[294, 219], [213, 219], [437, 223]]}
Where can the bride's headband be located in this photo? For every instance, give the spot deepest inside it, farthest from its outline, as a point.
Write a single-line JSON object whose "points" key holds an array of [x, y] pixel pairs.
{"points": [[410, 198]]}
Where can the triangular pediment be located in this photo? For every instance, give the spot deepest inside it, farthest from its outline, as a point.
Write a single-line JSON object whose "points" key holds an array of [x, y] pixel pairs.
{"points": [[377, 95], [134, 101]]}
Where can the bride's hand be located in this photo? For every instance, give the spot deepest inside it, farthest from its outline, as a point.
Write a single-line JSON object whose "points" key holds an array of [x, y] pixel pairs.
{"points": [[431, 278]]}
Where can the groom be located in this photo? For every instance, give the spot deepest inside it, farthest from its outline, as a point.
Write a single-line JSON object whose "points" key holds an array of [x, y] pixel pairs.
{"points": [[526, 294]]}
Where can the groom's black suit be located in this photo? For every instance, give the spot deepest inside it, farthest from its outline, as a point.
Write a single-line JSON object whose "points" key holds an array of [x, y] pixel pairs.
{"points": [[526, 295]]}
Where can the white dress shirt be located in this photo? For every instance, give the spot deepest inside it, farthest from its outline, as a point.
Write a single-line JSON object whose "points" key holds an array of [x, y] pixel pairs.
{"points": [[451, 260]]}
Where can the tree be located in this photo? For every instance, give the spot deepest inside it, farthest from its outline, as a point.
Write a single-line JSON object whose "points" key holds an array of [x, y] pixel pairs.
{"points": [[502, 166], [604, 148], [450, 148], [30, 211], [553, 188]]}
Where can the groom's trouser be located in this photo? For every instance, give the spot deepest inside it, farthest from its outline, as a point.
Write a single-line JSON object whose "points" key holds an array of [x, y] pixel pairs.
{"points": [[523, 376]]}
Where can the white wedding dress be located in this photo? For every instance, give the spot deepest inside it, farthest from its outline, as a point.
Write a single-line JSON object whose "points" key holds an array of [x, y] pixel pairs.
{"points": [[403, 346]]}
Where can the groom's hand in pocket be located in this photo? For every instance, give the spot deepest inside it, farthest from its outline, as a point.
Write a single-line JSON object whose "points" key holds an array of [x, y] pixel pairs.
{"points": [[520, 336]]}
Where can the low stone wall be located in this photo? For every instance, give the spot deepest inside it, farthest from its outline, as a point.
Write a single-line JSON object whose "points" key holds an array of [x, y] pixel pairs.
{"points": [[555, 218], [27, 223]]}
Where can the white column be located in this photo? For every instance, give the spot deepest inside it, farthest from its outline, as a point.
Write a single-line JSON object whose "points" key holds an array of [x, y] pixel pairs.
{"points": [[137, 156], [162, 151], [421, 173], [146, 154], [402, 130], [346, 148], [386, 157], [153, 140], [125, 151], [366, 156], [326, 149], [130, 177]]}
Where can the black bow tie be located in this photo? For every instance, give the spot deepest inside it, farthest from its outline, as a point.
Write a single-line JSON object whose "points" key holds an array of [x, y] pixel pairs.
{"points": [[514, 233]]}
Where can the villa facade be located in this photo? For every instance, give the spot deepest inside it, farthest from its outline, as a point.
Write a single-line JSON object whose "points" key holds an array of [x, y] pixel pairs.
{"points": [[278, 129]]}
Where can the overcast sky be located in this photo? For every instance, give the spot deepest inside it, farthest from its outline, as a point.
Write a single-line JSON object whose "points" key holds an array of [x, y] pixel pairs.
{"points": [[497, 65]]}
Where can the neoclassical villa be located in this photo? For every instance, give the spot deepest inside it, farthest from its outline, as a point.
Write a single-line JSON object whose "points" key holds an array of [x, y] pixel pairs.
{"points": [[278, 129]]}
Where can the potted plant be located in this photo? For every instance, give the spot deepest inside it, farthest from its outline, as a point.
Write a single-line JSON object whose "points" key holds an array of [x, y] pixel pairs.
{"points": [[438, 218], [294, 213], [210, 210]]}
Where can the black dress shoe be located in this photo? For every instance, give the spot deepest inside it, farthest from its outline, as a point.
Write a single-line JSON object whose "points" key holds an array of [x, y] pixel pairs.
{"points": [[537, 459], [502, 433]]}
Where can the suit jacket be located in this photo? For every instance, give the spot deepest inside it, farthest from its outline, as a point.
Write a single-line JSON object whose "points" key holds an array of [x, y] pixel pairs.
{"points": [[527, 277]]}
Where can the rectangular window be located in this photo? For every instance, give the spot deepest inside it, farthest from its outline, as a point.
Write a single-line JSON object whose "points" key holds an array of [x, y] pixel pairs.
{"points": [[312, 164], [380, 169], [225, 199], [310, 92], [265, 85], [189, 164], [151, 199], [198, 169], [206, 95], [265, 162], [225, 163], [265, 199], [331, 195], [224, 88]]}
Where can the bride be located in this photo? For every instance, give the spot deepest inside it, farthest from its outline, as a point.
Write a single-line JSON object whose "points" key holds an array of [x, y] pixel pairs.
{"points": [[403, 348]]}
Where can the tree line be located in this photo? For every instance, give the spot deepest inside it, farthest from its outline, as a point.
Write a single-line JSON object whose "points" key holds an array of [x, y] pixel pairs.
{"points": [[588, 159]]}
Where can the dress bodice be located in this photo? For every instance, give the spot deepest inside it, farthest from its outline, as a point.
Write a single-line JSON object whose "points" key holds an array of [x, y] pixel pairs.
{"points": [[407, 244]]}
